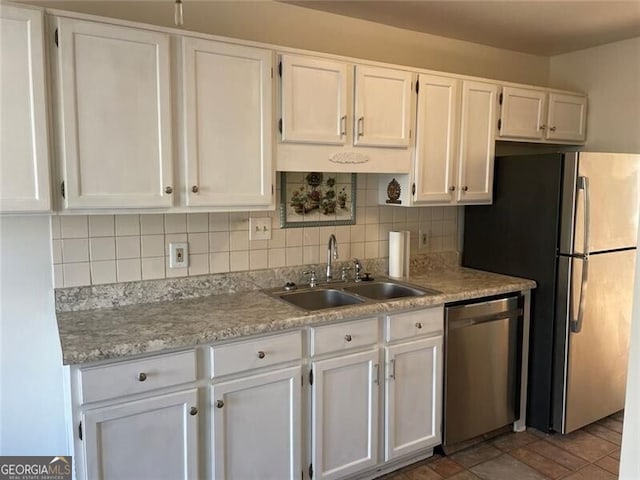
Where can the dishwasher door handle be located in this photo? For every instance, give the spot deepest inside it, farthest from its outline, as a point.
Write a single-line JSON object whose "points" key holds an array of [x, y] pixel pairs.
{"points": [[467, 322]]}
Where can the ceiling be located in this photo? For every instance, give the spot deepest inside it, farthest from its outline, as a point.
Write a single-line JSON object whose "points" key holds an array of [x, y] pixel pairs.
{"points": [[542, 27]]}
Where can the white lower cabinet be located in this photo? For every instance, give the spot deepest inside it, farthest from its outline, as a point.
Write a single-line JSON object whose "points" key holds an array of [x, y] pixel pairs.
{"points": [[156, 437], [256, 426], [413, 396], [344, 418], [144, 418]]}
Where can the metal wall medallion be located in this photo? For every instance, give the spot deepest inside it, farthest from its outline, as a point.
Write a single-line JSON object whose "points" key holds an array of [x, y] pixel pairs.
{"points": [[393, 192]]}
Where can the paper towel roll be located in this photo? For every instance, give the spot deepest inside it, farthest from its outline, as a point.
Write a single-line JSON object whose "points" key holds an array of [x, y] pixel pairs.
{"points": [[399, 246]]}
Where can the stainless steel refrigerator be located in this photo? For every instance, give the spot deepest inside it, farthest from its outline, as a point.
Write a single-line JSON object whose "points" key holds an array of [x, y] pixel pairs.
{"points": [[570, 222]]}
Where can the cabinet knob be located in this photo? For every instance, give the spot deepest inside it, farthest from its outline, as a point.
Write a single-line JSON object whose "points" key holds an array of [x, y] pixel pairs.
{"points": [[168, 190], [452, 188], [219, 404], [193, 411], [195, 189], [418, 325], [465, 188], [553, 129], [347, 338], [261, 355], [543, 127], [142, 376]]}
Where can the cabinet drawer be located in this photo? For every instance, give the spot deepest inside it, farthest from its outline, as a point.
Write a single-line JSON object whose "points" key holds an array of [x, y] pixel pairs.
{"points": [[344, 336], [261, 352], [137, 376], [413, 324]]}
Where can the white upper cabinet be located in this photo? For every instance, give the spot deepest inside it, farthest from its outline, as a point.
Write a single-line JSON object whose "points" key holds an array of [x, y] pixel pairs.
{"points": [[115, 116], [340, 117], [523, 113], [455, 145], [227, 124], [542, 116], [382, 107], [567, 117], [436, 136], [314, 100], [477, 142], [24, 156]]}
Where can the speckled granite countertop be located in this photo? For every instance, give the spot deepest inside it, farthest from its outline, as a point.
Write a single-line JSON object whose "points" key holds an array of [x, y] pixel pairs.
{"points": [[120, 331]]}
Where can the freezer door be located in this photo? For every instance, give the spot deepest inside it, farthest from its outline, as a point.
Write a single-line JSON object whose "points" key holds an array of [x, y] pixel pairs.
{"points": [[611, 194], [596, 354]]}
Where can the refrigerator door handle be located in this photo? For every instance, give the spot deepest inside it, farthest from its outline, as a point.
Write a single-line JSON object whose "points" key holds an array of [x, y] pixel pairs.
{"points": [[583, 184], [576, 324]]}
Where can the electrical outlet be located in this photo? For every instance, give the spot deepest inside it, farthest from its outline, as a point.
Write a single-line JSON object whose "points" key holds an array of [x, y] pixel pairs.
{"points": [[178, 255], [260, 228], [423, 239]]}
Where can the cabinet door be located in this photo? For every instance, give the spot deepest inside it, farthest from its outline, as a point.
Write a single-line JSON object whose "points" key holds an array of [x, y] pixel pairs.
{"points": [[116, 119], [523, 113], [227, 123], [345, 415], [24, 158], [436, 139], [382, 107], [314, 100], [256, 427], [567, 117], [413, 396], [152, 438], [477, 142]]}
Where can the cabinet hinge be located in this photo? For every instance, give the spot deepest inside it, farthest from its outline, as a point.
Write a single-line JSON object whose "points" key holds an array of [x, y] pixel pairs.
{"points": [[62, 191], [271, 72], [80, 430], [499, 123], [500, 99], [310, 377], [273, 189], [280, 69], [280, 125], [417, 87], [55, 37], [311, 470], [413, 189], [409, 133]]}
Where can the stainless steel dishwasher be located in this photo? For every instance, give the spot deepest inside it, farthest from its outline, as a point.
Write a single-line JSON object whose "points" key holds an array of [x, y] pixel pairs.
{"points": [[483, 354]]}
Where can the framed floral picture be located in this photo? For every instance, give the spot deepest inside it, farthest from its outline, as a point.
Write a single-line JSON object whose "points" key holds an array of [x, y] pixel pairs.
{"points": [[317, 199]]}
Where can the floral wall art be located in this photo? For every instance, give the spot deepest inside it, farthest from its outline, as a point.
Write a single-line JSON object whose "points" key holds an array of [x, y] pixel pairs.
{"points": [[317, 198]]}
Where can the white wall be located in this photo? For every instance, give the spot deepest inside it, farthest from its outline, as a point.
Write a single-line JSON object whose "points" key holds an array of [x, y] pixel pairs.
{"points": [[32, 415], [629, 463], [294, 26], [610, 75]]}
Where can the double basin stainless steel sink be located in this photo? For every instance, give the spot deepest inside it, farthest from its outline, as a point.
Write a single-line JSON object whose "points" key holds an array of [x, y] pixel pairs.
{"points": [[338, 294]]}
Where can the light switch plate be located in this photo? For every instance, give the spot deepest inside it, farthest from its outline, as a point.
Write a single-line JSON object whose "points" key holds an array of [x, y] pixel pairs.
{"points": [[260, 228], [178, 255]]}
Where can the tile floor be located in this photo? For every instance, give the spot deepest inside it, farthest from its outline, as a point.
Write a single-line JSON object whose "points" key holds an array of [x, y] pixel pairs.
{"points": [[592, 453]]}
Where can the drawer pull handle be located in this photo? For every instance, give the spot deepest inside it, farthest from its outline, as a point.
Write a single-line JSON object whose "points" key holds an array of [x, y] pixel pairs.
{"points": [[418, 325], [347, 338], [261, 355], [193, 411], [219, 404], [142, 376]]}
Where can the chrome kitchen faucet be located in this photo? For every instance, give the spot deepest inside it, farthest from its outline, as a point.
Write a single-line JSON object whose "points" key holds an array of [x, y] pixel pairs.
{"points": [[332, 253]]}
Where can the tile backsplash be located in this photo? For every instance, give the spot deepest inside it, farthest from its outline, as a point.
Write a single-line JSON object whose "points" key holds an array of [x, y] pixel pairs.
{"points": [[99, 249]]}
